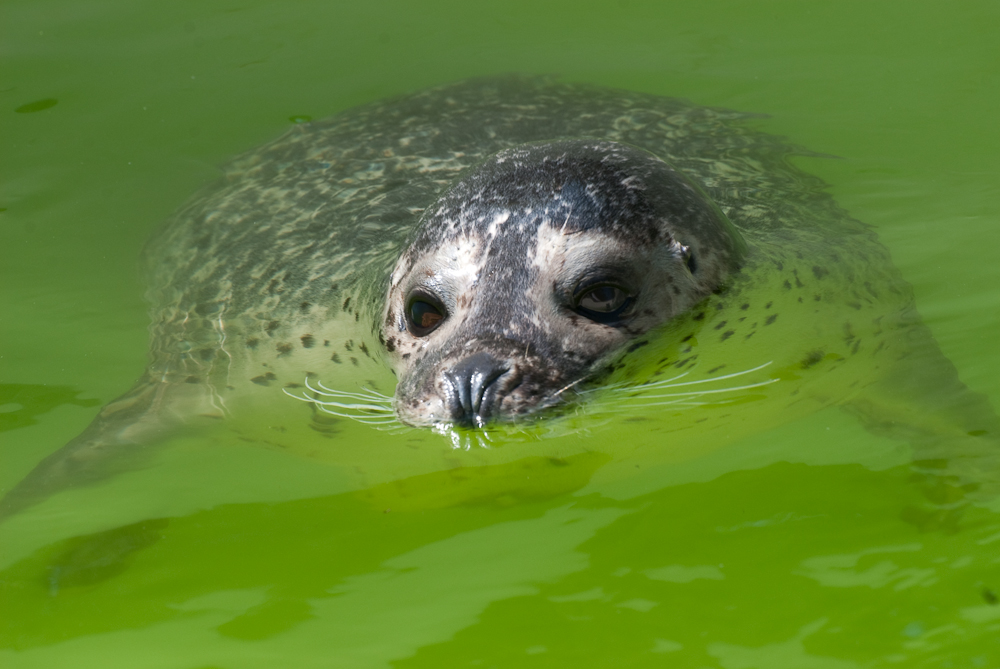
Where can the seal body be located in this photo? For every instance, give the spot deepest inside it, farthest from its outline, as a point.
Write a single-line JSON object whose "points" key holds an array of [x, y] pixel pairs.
{"points": [[504, 246], [501, 198]]}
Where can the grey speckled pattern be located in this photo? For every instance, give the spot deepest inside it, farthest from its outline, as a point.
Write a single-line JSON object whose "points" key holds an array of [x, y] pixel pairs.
{"points": [[307, 228]]}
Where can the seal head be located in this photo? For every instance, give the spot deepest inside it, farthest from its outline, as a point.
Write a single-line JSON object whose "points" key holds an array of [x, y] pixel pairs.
{"points": [[533, 270]]}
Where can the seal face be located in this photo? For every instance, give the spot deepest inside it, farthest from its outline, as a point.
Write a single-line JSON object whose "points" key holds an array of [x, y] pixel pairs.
{"points": [[535, 268]]}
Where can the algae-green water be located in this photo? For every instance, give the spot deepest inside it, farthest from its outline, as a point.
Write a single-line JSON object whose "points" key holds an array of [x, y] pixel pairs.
{"points": [[815, 544]]}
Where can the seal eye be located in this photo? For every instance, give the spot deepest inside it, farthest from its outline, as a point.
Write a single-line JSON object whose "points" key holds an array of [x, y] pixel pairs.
{"points": [[423, 314], [603, 303]]}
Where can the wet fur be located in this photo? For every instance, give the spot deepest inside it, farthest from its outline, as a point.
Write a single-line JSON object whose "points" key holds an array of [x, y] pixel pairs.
{"points": [[276, 273]]}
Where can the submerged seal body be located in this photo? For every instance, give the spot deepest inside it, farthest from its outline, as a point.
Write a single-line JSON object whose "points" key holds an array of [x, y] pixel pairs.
{"points": [[501, 244]]}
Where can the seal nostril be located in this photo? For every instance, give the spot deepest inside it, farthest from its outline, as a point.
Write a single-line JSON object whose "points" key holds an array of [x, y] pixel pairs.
{"points": [[472, 388]]}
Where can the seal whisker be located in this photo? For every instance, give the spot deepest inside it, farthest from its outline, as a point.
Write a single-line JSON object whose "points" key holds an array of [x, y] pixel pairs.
{"points": [[330, 392], [366, 392], [667, 383], [301, 398], [679, 403], [375, 393], [625, 387], [339, 393], [620, 387], [362, 407], [360, 419], [696, 393], [324, 404], [398, 428], [567, 387]]}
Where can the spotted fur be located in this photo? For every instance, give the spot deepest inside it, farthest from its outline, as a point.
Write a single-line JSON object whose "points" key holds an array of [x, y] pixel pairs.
{"points": [[278, 274]]}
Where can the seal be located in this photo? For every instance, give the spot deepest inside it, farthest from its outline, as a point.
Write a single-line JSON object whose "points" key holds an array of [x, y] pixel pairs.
{"points": [[505, 247]]}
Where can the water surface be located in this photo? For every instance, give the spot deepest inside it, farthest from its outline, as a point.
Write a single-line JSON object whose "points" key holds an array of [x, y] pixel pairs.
{"points": [[812, 544]]}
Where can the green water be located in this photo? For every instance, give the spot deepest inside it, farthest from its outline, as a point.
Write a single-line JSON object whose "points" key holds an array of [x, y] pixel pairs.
{"points": [[811, 546]]}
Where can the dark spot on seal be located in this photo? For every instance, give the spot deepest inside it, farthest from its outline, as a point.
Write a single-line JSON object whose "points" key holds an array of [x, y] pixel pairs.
{"points": [[699, 316], [335, 358], [977, 433], [283, 349], [817, 298], [292, 384], [271, 327], [798, 284], [326, 342], [192, 379], [349, 345], [768, 305], [364, 349], [307, 341], [721, 325], [744, 306], [206, 353], [390, 344], [347, 303], [727, 334], [988, 595], [252, 342], [787, 285], [855, 305], [264, 379], [637, 345], [819, 272], [304, 307], [354, 361], [688, 338], [771, 319], [812, 358]]}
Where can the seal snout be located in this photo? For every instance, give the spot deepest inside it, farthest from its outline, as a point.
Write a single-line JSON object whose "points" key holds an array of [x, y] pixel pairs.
{"points": [[474, 387]]}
